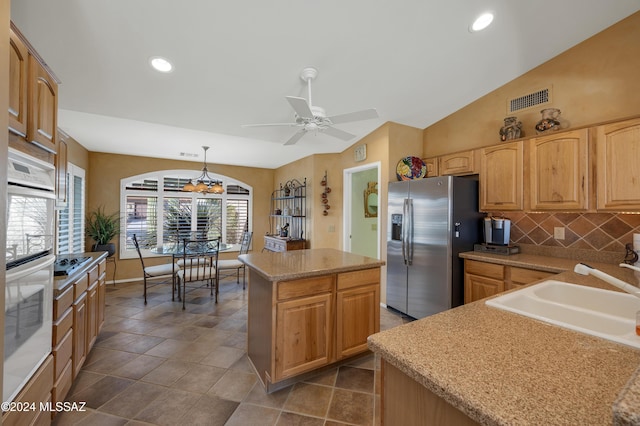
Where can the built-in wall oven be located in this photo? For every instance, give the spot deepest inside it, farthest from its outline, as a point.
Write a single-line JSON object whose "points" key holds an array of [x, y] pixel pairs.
{"points": [[29, 275]]}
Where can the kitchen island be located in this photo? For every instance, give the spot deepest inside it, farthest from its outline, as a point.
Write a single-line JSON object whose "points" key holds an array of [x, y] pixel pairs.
{"points": [[309, 310], [479, 365]]}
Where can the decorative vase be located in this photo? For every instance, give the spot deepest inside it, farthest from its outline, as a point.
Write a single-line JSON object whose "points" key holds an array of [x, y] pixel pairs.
{"points": [[109, 247], [512, 129], [549, 120]]}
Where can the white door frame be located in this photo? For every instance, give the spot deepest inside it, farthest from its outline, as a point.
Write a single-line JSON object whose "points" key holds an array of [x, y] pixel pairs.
{"points": [[347, 214]]}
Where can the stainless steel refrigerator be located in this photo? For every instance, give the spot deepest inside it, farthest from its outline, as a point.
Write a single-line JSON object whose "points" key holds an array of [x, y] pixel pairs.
{"points": [[431, 221]]}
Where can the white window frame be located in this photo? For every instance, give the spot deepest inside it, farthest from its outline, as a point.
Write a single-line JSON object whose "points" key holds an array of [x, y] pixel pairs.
{"points": [[74, 171], [161, 194]]}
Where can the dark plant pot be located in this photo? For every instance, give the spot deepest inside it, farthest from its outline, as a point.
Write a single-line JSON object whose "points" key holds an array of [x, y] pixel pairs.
{"points": [[110, 247]]}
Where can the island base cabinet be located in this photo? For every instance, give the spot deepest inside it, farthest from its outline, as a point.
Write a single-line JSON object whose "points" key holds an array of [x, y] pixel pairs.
{"points": [[407, 402], [302, 335], [299, 327]]}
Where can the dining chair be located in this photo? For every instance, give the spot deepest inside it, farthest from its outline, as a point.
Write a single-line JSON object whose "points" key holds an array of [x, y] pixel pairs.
{"points": [[199, 264], [164, 271], [231, 264]]}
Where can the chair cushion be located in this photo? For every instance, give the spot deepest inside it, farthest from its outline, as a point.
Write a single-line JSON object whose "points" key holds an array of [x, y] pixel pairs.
{"points": [[229, 264], [159, 270]]}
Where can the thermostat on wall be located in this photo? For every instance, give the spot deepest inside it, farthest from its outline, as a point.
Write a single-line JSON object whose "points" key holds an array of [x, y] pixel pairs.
{"points": [[360, 153]]}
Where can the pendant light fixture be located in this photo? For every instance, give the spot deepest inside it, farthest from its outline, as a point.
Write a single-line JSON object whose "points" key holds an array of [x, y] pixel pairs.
{"points": [[204, 183]]}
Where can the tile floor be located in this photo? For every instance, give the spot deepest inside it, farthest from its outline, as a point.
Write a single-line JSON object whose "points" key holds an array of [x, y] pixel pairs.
{"points": [[160, 365]]}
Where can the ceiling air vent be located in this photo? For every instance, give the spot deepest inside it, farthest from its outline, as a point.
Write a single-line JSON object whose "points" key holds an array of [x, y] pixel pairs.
{"points": [[527, 101]]}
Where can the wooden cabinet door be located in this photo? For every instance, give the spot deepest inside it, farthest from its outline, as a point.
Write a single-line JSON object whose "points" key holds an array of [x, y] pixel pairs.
{"points": [[501, 171], [618, 165], [43, 106], [357, 317], [79, 333], [303, 335], [432, 166], [461, 163], [92, 315], [18, 76], [559, 165], [102, 294], [477, 287]]}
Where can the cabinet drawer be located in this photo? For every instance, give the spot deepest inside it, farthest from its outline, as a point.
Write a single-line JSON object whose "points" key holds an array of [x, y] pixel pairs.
{"points": [[274, 244], [526, 276], [485, 269], [102, 266], [61, 326], [63, 384], [62, 354], [62, 302], [94, 273], [80, 286], [357, 278], [304, 287]]}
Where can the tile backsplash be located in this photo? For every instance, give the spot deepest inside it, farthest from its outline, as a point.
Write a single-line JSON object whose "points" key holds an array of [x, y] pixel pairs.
{"points": [[592, 231]]}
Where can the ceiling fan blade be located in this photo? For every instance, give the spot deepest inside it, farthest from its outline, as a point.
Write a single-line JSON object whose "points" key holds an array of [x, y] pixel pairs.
{"points": [[300, 106], [365, 114], [337, 133], [272, 124], [296, 137]]}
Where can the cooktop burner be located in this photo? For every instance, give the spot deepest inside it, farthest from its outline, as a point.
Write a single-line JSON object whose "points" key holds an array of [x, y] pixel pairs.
{"points": [[68, 265]]}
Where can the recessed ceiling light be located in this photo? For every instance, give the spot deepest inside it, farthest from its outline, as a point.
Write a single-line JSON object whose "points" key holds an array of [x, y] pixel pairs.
{"points": [[482, 22], [161, 64]]}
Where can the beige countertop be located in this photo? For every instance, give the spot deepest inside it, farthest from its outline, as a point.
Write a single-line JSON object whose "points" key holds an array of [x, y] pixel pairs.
{"points": [[60, 283], [502, 368], [296, 264]]}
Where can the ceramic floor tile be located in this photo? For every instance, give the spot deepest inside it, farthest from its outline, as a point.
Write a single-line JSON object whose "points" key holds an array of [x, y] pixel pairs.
{"points": [[249, 414], [233, 385], [293, 419], [358, 379], [310, 399], [113, 361], [139, 367], [100, 419], [223, 357], [168, 408], [200, 378], [132, 400], [102, 391], [259, 396], [351, 407], [167, 373], [210, 411]]}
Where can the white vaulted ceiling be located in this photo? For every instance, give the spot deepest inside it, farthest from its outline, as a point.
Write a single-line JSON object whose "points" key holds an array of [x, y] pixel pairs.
{"points": [[415, 61]]}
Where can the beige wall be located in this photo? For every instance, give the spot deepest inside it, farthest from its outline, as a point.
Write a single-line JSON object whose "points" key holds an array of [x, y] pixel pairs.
{"points": [[593, 82], [105, 171]]}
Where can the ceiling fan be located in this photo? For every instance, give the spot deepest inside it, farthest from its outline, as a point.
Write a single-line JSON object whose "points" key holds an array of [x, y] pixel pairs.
{"points": [[311, 118]]}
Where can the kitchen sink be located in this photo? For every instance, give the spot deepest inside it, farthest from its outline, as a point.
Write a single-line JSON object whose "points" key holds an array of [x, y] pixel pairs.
{"points": [[602, 313]]}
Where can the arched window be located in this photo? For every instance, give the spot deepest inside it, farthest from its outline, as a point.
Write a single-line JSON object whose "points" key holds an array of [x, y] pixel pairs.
{"points": [[159, 212]]}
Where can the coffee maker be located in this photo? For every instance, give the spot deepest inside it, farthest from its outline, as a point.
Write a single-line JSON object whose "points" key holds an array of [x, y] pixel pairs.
{"points": [[497, 231]]}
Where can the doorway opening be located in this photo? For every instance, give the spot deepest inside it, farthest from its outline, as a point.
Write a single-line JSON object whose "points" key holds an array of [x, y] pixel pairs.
{"points": [[361, 220]]}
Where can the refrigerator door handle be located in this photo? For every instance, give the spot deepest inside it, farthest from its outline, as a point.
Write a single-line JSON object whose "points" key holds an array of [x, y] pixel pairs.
{"points": [[405, 218], [410, 231]]}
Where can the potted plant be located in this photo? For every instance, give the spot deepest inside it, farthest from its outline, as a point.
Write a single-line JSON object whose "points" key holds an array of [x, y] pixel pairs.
{"points": [[102, 228]]}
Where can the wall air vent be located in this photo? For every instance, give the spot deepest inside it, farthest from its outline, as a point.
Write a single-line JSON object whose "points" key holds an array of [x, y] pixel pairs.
{"points": [[188, 155], [527, 101]]}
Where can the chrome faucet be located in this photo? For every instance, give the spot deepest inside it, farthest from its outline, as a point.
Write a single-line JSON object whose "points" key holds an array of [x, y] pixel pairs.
{"points": [[584, 269]]}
